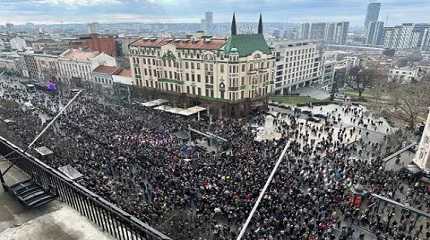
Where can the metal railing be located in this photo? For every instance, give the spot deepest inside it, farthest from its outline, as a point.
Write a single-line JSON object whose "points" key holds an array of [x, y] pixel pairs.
{"points": [[107, 216]]}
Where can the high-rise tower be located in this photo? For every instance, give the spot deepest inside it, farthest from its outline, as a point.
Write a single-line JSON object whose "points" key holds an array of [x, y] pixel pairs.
{"points": [[372, 13]]}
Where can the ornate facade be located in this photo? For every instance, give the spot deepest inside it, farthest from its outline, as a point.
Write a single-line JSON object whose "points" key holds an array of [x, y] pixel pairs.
{"points": [[231, 70], [78, 65]]}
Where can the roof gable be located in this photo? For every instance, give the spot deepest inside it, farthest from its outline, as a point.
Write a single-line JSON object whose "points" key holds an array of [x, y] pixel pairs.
{"points": [[123, 72], [246, 44], [212, 44], [79, 55]]}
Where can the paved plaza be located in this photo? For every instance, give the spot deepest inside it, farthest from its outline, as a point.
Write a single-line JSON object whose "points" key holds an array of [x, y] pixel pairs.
{"points": [[375, 134]]}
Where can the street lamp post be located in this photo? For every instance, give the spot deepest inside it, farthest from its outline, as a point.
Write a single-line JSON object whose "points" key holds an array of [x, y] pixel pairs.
{"points": [[262, 193], [36, 138]]}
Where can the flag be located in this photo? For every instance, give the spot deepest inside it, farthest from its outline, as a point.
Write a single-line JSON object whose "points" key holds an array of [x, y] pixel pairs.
{"points": [[52, 87]]}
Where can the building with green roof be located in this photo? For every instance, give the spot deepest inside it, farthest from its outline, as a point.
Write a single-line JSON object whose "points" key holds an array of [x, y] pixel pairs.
{"points": [[230, 76], [246, 44]]}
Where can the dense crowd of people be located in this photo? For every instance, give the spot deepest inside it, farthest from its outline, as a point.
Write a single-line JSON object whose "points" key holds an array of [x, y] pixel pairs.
{"points": [[132, 157]]}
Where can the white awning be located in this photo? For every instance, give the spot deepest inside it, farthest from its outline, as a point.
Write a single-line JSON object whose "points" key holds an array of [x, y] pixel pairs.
{"points": [[195, 109], [154, 103], [181, 111]]}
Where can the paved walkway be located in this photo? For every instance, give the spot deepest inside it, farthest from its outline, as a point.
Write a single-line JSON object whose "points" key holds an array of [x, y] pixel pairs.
{"points": [[56, 221], [313, 93]]}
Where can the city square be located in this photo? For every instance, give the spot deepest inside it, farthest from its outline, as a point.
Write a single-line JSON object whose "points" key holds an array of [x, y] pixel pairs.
{"points": [[130, 120], [146, 164]]}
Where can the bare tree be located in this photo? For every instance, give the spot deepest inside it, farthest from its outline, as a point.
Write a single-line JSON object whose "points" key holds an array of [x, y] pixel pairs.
{"points": [[410, 101], [407, 102], [353, 74], [379, 87], [362, 78]]}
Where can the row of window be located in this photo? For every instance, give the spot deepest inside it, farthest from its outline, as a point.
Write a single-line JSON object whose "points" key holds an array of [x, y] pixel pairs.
{"points": [[294, 68], [262, 91], [193, 65], [300, 77], [209, 79], [297, 72], [75, 70], [178, 76], [75, 67], [300, 51], [103, 80], [297, 58], [304, 63], [175, 75], [252, 80], [187, 53], [70, 74], [291, 81]]}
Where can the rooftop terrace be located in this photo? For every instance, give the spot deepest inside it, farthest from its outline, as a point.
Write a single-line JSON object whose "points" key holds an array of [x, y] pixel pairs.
{"points": [[52, 222]]}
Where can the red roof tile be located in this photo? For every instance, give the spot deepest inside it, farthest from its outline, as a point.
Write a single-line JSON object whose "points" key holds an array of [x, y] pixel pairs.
{"points": [[123, 72], [76, 54], [212, 44], [107, 69]]}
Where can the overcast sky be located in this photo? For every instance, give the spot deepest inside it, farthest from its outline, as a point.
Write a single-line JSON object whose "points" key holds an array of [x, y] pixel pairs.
{"points": [[83, 11]]}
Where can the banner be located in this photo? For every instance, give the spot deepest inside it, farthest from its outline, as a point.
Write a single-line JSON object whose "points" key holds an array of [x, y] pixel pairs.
{"points": [[52, 87]]}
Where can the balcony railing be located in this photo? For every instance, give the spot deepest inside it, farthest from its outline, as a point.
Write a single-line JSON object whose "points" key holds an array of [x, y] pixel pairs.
{"points": [[107, 216]]}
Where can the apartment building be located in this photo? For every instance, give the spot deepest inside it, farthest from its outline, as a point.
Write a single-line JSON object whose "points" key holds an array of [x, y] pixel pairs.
{"points": [[372, 15], [31, 65], [297, 65], [328, 70], [334, 33], [78, 65], [375, 33], [100, 43], [123, 77], [408, 74], [102, 75], [47, 67], [407, 36], [425, 45], [18, 43], [7, 64]]}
